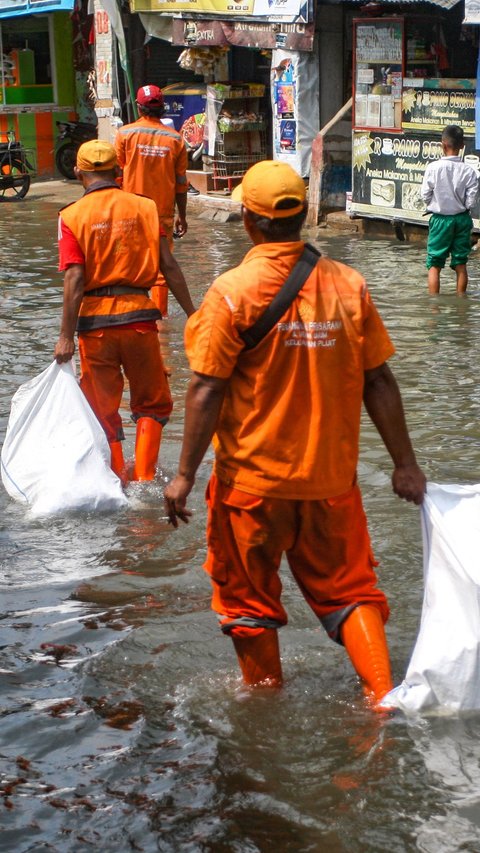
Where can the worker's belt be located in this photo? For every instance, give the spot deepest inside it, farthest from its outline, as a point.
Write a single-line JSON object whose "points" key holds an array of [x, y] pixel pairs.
{"points": [[117, 290]]}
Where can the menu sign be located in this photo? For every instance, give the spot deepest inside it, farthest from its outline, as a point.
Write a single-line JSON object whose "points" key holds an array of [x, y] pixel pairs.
{"points": [[428, 110], [388, 173]]}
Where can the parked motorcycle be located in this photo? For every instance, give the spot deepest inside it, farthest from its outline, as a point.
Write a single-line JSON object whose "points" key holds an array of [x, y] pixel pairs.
{"points": [[71, 135], [17, 165]]}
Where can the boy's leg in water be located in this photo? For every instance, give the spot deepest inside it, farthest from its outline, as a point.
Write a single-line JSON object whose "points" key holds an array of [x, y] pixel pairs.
{"points": [[434, 280], [462, 278]]}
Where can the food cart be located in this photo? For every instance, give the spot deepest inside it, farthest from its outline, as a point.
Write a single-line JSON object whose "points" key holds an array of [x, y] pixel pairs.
{"points": [[401, 104]]}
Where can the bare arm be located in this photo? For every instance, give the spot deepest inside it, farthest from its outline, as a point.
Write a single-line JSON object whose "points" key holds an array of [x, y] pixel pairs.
{"points": [[181, 220], [202, 409], [174, 277], [73, 287], [383, 403]]}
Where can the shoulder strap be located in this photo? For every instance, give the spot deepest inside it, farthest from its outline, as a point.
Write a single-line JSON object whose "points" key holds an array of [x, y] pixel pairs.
{"points": [[283, 299]]}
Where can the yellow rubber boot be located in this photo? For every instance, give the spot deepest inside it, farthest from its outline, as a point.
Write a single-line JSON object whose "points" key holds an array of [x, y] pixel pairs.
{"points": [[147, 446], [363, 636], [259, 658], [117, 462]]}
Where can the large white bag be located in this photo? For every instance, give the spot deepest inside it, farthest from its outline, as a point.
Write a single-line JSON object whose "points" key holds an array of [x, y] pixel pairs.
{"points": [[55, 456], [444, 670]]}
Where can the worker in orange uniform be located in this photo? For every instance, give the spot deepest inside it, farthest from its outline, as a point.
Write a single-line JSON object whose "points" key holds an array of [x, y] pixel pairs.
{"points": [[154, 162], [286, 419], [111, 245]]}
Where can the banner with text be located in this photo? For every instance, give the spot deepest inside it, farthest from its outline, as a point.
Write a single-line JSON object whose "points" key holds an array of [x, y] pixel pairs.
{"points": [[388, 173], [428, 109], [291, 11], [266, 36]]}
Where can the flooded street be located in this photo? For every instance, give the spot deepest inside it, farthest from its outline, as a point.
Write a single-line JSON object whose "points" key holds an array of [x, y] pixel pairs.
{"points": [[124, 726]]}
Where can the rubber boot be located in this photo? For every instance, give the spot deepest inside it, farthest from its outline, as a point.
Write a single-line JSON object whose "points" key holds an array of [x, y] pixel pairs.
{"points": [[147, 445], [259, 658], [117, 462], [363, 636]]}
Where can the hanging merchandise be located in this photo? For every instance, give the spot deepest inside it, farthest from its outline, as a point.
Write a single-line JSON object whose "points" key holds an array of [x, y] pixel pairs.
{"points": [[202, 61], [444, 671], [294, 93], [55, 456]]}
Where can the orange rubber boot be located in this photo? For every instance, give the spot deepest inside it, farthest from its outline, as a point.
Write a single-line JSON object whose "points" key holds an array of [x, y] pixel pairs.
{"points": [[259, 658], [363, 636], [147, 445], [117, 462]]}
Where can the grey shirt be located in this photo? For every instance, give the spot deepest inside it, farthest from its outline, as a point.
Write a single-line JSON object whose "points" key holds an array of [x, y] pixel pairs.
{"points": [[449, 186]]}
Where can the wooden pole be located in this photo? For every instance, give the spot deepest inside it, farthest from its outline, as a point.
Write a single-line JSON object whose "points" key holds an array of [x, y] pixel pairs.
{"points": [[318, 165]]}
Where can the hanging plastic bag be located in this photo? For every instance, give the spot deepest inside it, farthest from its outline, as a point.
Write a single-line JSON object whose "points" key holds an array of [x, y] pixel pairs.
{"points": [[55, 456], [444, 670]]}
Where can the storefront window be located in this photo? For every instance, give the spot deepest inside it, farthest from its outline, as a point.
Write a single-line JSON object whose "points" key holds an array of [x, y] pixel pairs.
{"points": [[26, 61], [378, 72]]}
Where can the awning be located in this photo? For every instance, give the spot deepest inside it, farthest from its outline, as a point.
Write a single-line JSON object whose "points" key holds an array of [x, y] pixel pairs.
{"points": [[16, 8]]}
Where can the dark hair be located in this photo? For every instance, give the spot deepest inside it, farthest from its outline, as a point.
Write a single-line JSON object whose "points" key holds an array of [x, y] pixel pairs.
{"points": [[452, 135], [156, 112], [279, 229]]}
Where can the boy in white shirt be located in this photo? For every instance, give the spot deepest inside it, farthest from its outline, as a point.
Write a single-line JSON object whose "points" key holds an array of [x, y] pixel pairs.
{"points": [[449, 190]]}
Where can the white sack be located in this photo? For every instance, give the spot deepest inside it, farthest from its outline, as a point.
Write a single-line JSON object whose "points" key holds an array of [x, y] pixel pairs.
{"points": [[55, 456], [444, 670]]}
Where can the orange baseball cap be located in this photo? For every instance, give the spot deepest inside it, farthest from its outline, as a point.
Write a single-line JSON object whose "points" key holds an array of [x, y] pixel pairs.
{"points": [[266, 185], [97, 155]]}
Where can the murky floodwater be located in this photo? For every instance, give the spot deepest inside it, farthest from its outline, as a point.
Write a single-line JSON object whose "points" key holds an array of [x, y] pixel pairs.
{"points": [[130, 731]]}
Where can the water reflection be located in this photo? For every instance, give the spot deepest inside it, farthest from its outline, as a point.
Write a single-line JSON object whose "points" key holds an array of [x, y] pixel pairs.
{"points": [[124, 724]]}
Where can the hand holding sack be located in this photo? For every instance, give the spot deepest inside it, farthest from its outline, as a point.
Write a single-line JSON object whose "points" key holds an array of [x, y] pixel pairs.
{"points": [[444, 670], [55, 456]]}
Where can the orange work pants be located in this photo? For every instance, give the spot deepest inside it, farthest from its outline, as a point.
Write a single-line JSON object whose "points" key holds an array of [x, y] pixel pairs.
{"points": [[159, 291], [326, 543], [103, 354]]}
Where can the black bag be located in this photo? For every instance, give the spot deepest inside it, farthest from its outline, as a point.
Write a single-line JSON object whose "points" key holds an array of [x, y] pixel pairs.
{"points": [[283, 299]]}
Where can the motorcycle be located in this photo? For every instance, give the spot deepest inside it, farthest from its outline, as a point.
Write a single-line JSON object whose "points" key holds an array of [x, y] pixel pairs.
{"points": [[16, 169], [71, 135]]}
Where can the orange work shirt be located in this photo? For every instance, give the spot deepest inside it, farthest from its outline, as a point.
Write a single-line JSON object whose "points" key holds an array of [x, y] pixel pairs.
{"points": [[118, 235], [290, 422], [154, 161]]}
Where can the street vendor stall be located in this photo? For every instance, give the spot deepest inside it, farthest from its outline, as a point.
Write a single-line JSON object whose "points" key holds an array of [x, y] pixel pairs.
{"points": [[402, 102]]}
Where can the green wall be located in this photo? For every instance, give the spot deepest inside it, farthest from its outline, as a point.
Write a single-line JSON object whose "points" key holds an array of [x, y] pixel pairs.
{"points": [[65, 75]]}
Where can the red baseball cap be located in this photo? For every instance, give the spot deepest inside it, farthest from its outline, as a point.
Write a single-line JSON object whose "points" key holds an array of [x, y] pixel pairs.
{"points": [[150, 96]]}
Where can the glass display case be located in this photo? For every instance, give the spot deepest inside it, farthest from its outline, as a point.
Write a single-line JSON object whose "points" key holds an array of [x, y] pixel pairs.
{"points": [[378, 72]]}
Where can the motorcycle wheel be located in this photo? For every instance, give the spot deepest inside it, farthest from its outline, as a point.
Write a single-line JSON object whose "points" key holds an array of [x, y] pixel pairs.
{"points": [[65, 159], [14, 181]]}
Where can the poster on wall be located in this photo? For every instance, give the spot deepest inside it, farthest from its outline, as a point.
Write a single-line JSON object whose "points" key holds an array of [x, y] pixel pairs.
{"points": [[388, 173], [430, 105], [294, 93]]}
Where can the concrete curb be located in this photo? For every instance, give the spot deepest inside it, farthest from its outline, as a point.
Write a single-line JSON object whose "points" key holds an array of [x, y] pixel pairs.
{"points": [[220, 208]]}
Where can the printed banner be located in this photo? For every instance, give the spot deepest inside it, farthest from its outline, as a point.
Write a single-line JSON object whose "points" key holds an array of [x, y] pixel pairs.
{"points": [[266, 36], [273, 10], [388, 173], [472, 12], [431, 108]]}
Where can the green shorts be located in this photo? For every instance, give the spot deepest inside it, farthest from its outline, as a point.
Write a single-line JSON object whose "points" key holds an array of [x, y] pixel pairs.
{"points": [[449, 235]]}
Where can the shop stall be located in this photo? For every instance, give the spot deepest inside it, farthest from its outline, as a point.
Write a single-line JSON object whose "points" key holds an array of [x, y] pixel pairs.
{"points": [[37, 85], [402, 101]]}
